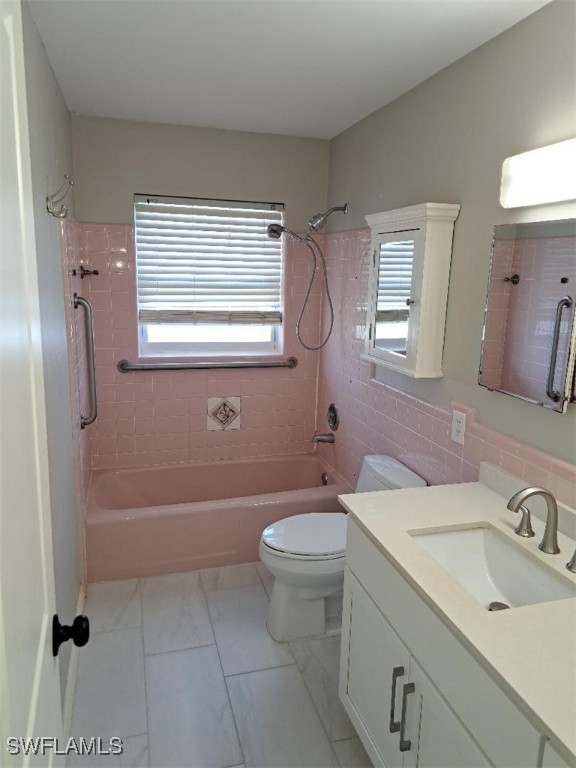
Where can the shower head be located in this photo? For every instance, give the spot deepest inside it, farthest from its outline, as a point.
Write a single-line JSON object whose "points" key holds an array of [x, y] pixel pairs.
{"points": [[275, 231], [317, 221]]}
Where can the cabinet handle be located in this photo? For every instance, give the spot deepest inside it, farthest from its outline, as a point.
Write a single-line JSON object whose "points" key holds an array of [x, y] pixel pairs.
{"points": [[396, 673], [405, 744]]}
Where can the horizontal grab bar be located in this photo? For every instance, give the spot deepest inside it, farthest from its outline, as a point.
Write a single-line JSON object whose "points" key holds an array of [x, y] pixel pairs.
{"points": [[125, 366]]}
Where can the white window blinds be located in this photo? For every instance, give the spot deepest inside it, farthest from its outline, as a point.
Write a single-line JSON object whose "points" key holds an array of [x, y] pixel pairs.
{"points": [[207, 261], [394, 280]]}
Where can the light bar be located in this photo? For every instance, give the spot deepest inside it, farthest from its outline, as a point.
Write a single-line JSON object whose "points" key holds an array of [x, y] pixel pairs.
{"points": [[546, 175]]}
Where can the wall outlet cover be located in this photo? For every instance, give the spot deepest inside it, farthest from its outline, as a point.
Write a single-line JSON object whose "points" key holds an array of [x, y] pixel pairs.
{"points": [[458, 426]]}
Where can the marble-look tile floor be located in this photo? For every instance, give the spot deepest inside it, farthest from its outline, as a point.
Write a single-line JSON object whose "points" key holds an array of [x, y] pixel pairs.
{"points": [[182, 669]]}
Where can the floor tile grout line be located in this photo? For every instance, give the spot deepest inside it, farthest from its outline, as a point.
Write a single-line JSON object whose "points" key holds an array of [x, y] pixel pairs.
{"points": [[205, 593], [260, 669], [141, 588], [224, 678], [330, 739], [283, 666], [138, 589], [178, 650], [113, 629], [210, 592], [233, 586], [308, 691], [202, 596]]}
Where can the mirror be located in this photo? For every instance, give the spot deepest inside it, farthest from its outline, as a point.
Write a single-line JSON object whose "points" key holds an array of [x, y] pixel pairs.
{"points": [[393, 300], [529, 338]]}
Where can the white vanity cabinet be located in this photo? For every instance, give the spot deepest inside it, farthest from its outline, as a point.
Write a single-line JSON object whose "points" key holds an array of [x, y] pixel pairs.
{"points": [[408, 287], [364, 684], [404, 721], [415, 694]]}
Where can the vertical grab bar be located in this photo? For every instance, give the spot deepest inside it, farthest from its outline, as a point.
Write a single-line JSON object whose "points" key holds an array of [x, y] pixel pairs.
{"points": [[89, 325], [552, 393]]}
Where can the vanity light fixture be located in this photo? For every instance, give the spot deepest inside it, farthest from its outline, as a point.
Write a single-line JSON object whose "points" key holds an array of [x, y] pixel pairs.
{"points": [[546, 175]]}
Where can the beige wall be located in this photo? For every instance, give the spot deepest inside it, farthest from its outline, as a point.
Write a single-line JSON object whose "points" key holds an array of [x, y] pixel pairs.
{"points": [[445, 142], [51, 155], [113, 159]]}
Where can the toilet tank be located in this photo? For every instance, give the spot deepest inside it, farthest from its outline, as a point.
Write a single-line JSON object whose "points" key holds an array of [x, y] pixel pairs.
{"points": [[383, 473]]}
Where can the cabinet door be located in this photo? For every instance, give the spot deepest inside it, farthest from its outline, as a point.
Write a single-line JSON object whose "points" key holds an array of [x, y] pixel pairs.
{"points": [[394, 330], [437, 738], [377, 666]]}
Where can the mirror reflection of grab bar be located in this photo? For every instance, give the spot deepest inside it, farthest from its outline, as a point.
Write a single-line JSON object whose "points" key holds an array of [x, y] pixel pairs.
{"points": [[89, 325], [564, 303]]}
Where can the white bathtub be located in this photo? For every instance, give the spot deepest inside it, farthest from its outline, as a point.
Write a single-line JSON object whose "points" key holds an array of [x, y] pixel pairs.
{"points": [[144, 522]]}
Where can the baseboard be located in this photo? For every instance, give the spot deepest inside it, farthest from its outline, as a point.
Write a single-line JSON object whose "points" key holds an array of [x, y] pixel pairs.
{"points": [[72, 671]]}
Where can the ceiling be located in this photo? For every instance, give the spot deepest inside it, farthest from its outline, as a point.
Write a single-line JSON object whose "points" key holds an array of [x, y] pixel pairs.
{"points": [[296, 67]]}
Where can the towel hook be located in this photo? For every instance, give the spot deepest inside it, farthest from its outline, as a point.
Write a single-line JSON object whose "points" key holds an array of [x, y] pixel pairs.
{"points": [[57, 197]]}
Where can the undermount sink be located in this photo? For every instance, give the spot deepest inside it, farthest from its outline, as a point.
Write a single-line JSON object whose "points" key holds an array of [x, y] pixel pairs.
{"points": [[492, 569]]}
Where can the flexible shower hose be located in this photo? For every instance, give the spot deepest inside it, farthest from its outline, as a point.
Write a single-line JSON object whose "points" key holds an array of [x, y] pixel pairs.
{"points": [[311, 244]]}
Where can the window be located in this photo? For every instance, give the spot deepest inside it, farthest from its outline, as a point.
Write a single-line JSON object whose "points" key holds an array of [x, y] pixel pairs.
{"points": [[209, 277]]}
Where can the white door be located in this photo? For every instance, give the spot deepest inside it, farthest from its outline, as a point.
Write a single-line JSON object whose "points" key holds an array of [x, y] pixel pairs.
{"points": [[29, 681]]}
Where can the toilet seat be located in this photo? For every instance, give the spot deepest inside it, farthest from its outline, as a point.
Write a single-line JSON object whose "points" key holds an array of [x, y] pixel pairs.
{"points": [[311, 536]]}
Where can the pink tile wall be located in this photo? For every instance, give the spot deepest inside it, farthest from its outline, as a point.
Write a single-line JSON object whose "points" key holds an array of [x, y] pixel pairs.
{"points": [[153, 418], [541, 263], [77, 370], [375, 418]]}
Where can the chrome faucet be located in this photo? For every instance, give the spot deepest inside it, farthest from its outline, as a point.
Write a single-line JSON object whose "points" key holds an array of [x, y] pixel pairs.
{"points": [[329, 438], [549, 543]]}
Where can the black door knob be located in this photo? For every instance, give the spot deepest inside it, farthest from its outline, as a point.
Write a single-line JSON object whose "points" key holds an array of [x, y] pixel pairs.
{"points": [[79, 632]]}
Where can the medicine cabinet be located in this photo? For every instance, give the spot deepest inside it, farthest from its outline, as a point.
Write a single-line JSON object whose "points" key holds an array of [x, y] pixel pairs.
{"points": [[408, 287]]}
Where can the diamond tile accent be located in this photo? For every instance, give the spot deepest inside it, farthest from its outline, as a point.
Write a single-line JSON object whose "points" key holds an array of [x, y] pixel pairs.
{"points": [[223, 413]]}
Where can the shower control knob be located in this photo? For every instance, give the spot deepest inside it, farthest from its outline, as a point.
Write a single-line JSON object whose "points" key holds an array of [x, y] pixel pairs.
{"points": [[79, 632]]}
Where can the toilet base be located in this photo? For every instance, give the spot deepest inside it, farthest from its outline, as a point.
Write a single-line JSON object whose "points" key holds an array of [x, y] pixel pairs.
{"points": [[291, 616], [306, 594]]}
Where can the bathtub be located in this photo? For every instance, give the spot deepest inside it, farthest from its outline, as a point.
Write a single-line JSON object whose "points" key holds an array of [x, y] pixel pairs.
{"points": [[144, 522]]}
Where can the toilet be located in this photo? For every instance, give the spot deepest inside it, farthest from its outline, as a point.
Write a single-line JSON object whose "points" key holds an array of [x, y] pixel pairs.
{"points": [[306, 554]]}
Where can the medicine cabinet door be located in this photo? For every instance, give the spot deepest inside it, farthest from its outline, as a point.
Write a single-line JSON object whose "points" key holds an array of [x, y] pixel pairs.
{"points": [[395, 300]]}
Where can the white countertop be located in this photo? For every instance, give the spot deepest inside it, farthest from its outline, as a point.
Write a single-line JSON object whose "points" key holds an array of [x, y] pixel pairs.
{"points": [[531, 650]]}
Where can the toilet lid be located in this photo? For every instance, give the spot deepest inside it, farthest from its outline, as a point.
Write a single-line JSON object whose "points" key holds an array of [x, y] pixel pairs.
{"points": [[313, 534]]}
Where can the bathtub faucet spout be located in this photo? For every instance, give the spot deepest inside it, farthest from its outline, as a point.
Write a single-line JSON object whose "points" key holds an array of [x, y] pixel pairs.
{"points": [[329, 438]]}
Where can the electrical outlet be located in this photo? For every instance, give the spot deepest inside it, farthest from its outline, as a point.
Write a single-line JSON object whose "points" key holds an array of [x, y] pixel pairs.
{"points": [[458, 426]]}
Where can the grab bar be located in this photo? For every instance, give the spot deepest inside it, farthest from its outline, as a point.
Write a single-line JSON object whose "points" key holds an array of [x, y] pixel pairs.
{"points": [[125, 366], [89, 325], [552, 393]]}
